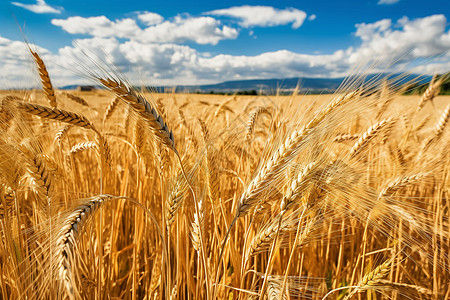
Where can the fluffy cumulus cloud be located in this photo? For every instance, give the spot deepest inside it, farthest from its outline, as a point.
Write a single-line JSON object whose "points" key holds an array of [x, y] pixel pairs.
{"points": [[14, 59], [39, 8], [147, 59], [150, 18], [405, 40], [201, 30], [98, 26], [263, 16]]}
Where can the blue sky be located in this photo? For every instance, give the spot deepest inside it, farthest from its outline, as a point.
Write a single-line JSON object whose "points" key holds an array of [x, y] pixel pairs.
{"points": [[187, 42]]}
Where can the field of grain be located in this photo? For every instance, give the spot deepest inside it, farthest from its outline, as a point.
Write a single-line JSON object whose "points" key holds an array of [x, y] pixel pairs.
{"points": [[114, 194]]}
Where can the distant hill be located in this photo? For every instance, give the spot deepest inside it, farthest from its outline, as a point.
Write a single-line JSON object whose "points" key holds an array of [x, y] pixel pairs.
{"points": [[271, 86], [311, 85]]}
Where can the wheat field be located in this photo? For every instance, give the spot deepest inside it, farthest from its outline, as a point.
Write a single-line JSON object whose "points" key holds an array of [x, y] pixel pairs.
{"points": [[126, 194]]}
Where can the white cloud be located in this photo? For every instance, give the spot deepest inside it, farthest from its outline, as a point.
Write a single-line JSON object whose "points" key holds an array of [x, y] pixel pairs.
{"points": [[264, 16], [169, 63], [99, 26], [39, 8], [388, 1], [16, 65], [179, 64], [406, 40], [202, 30], [150, 18], [312, 17]]}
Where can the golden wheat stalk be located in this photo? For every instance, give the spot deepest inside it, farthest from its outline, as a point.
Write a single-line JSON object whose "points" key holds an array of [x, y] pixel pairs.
{"points": [[71, 118], [367, 136], [211, 164], [175, 199], [282, 156], [223, 106], [408, 287], [398, 183], [372, 279], [251, 122], [197, 227], [83, 146], [45, 79], [39, 172], [61, 133], [438, 131], [387, 96], [141, 106], [297, 186], [77, 99], [431, 92], [140, 141], [111, 108], [440, 125], [66, 240], [345, 137], [189, 129], [56, 114], [265, 237]]}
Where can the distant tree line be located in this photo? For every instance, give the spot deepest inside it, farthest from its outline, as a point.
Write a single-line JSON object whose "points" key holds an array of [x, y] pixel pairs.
{"points": [[242, 92], [419, 88]]}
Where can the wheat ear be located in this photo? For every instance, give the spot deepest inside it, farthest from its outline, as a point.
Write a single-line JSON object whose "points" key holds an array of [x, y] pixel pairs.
{"points": [[373, 278], [282, 156], [297, 186], [45, 79], [266, 236], [77, 99], [367, 136], [83, 146], [440, 125], [431, 92], [189, 129], [409, 287], [251, 122], [71, 118], [56, 114], [422, 123], [345, 137], [175, 199], [197, 226], [223, 106], [139, 137], [67, 236], [60, 134], [438, 131], [211, 164], [141, 106], [111, 108], [400, 182], [39, 172]]}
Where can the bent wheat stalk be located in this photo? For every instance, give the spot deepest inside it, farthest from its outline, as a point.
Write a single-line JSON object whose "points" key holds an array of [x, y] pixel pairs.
{"points": [[57, 114], [141, 106]]}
